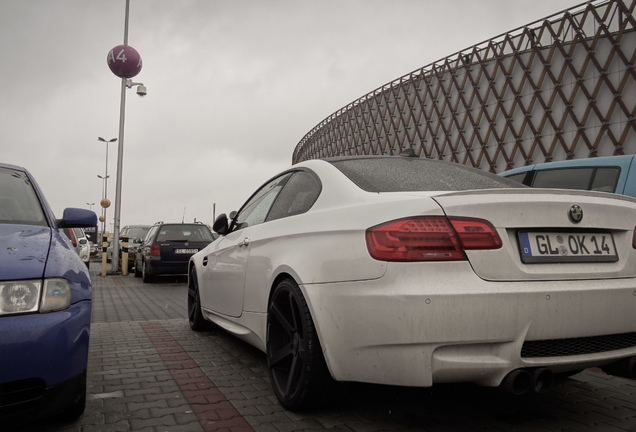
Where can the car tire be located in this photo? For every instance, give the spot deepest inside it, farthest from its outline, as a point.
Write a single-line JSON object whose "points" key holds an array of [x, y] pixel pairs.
{"points": [[195, 316], [137, 270], [297, 368], [144, 273]]}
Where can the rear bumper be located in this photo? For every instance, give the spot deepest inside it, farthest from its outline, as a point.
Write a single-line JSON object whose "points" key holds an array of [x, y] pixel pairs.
{"points": [[156, 267], [414, 329]]}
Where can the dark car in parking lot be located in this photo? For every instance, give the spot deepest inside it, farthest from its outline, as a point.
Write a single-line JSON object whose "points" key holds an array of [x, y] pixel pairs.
{"points": [[136, 235], [45, 305], [168, 247]]}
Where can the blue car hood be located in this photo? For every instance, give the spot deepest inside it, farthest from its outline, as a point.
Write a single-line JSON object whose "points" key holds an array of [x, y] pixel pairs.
{"points": [[23, 251]]}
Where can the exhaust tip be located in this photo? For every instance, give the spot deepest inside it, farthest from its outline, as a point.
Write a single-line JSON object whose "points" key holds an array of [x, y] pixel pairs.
{"points": [[624, 368], [542, 380], [517, 382]]}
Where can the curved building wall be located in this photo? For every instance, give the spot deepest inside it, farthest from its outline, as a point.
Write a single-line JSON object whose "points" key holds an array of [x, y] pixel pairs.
{"points": [[560, 88]]}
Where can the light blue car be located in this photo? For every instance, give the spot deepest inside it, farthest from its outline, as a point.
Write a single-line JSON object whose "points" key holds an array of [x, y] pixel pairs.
{"points": [[45, 305], [615, 174]]}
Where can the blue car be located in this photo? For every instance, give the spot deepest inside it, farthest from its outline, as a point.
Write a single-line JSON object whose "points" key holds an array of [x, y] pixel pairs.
{"points": [[45, 305], [615, 174]]}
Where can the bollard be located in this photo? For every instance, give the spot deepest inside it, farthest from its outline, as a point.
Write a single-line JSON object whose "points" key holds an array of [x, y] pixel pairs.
{"points": [[104, 253], [124, 254]]}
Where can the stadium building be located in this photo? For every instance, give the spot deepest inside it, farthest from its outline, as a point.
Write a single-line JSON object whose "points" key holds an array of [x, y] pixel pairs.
{"points": [[560, 88]]}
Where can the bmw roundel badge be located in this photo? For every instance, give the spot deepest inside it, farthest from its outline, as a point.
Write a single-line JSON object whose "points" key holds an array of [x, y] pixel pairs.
{"points": [[575, 213]]}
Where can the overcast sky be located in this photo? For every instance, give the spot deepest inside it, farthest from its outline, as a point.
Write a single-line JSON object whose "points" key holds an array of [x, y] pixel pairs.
{"points": [[233, 86]]}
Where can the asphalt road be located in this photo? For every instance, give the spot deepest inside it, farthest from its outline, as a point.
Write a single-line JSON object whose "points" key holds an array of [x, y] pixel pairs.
{"points": [[149, 372]]}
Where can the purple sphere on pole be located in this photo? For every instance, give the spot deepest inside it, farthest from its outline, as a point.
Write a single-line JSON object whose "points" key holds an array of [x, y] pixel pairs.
{"points": [[124, 61]]}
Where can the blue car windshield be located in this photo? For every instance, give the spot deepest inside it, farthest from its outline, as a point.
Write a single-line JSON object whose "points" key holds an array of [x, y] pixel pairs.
{"points": [[19, 203]]}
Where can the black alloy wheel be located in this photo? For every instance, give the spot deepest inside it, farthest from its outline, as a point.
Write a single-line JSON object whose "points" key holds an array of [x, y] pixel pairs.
{"points": [[195, 316], [297, 367]]}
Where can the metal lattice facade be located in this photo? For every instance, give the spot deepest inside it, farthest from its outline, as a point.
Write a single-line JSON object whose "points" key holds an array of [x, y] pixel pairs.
{"points": [[560, 88]]}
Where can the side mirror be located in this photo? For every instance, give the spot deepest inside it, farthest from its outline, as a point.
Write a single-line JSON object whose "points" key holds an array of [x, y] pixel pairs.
{"points": [[220, 225], [77, 218]]}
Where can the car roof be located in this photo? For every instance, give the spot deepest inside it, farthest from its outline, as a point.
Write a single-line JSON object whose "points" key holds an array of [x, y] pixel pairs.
{"points": [[16, 167], [409, 174]]}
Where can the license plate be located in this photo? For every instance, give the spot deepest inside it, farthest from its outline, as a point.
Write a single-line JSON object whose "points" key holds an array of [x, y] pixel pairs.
{"points": [[559, 247], [186, 251]]}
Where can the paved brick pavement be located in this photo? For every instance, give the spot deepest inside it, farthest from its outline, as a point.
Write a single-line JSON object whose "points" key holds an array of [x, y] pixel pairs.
{"points": [[149, 372]]}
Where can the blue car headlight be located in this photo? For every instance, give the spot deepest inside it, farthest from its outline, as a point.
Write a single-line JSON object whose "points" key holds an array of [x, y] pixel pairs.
{"points": [[18, 297], [56, 295]]}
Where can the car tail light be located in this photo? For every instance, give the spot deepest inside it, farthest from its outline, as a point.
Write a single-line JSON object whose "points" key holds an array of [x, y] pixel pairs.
{"points": [[430, 238], [634, 239], [72, 237], [155, 250]]}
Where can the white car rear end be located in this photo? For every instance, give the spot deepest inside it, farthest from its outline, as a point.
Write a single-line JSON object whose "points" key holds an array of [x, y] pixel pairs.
{"points": [[479, 318]]}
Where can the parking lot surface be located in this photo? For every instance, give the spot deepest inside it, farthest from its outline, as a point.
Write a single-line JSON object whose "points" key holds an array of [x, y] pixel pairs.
{"points": [[149, 372]]}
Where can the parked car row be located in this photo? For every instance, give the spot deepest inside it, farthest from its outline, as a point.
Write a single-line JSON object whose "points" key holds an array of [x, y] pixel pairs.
{"points": [[80, 243], [45, 303], [389, 270], [408, 271]]}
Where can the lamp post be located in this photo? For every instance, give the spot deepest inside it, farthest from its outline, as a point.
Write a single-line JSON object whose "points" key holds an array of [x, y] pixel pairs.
{"points": [[105, 178], [104, 193], [125, 62]]}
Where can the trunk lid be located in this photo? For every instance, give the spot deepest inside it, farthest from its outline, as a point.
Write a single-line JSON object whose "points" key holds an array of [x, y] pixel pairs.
{"points": [[541, 240]]}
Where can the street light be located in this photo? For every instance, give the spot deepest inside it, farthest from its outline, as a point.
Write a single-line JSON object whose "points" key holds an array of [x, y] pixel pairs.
{"points": [[90, 205], [124, 62], [105, 178]]}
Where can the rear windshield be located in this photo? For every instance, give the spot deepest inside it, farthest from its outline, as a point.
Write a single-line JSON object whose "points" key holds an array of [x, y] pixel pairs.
{"points": [[138, 232], [403, 174], [184, 232], [19, 203]]}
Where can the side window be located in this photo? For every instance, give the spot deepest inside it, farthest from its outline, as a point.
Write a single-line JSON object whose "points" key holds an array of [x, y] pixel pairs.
{"points": [[256, 209], [79, 233], [150, 234], [517, 177], [606, 179], [565, 178], [298, 195]]}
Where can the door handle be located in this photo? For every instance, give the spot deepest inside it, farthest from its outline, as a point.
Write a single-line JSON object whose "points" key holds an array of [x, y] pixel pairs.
{"points": [[244, 243], [205, 261]]}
